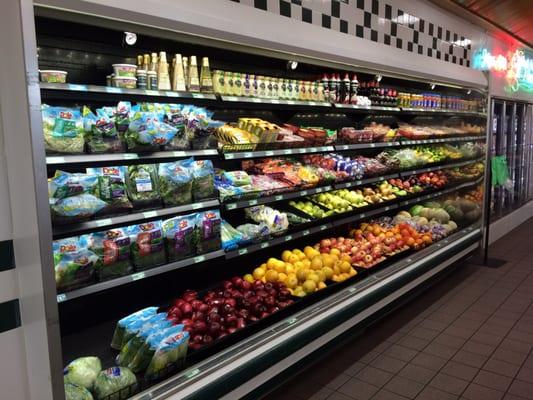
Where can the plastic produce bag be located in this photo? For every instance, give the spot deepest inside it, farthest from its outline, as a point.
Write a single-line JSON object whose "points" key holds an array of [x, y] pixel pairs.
{"points": [[142, 186], [146, 132], [117, 382], [128, 351], [203, 180], [65, 184], [82, 371], [175, 118], [208, 223], [73, 263], [76, 208], [113, 250], [181, 236], [101, 133], [273, 219], [63, 130], [254, 232], [231, 237], [236, 178], [147, 349], [75, 392], [170, 351], [112, 188], [175, 181], [118, 335], [147, 247]]}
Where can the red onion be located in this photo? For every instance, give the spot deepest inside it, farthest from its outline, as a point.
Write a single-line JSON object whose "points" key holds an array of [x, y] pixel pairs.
{"points": [[231, 302]]}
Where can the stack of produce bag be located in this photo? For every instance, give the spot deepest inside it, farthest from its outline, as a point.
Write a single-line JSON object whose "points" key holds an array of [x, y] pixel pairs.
{"points": [[147, 132], [63, 130], [74, 263], [231, 237], [101, 130], [274, 220], [112, 189], [200, 128]]}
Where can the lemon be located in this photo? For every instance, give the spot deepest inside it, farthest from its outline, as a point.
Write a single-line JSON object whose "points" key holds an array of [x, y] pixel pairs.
{"points": [[299, 292], [316, 263], [352, 272], [285, 255], [346, 257], [249, 278], [306, 263], [309, 286], [336, 252], [280, 267], [328, 260], [290, 269], [321, 275], [321, 285], [328, 272], [292, 281], [293, 258], [271, 276], [282, 277], [345, 267], [301, 274], [258, 273], [272, 262], [313, 277]]}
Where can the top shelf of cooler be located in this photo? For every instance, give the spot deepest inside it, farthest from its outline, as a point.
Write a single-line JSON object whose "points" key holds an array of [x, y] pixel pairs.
{"points": [[106, 93]]}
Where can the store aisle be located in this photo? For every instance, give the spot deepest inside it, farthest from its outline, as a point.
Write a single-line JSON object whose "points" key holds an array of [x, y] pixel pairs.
{"points": [[469, 337]]}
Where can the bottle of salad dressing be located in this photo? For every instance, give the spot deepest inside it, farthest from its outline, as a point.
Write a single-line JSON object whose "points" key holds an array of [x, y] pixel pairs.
{"points": [[194, 81], [178, 77], [163, 82]]}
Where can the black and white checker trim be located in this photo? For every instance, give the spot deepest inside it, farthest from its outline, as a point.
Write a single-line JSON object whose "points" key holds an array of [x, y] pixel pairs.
{"points": [[377, 21]]}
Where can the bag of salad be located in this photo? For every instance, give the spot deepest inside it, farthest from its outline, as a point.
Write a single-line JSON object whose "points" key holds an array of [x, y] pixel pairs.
{"points": [[175, 180], [203, 186], [101, 133], [73, 263], [168, 351], [115, 383], [118, 335], [181, 236], [112, 189], [208, 224], [63, 130], [113, 250], [146, 132], [147, 248], [174, 117], [142, 186]]}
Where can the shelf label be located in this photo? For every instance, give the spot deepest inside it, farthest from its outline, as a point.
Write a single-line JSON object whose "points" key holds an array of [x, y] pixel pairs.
{"points": [[305, 233], [372, 145], [179, 154], [231, 98], [130, 156], [152, 92], [195, 206], [79, 88], [269, 153], [264, 245], [292, 321], [150, 214], [278, 197], [288, 237], [198, 96], [192, 373], [55, 160], [231, 206], [287, 151], [323, 227], [137, 276], [256, 101], [362, 215], [312, 103], [291, 102], [243, 251], [110, 89], [248, 155], [358, 182], [61, 297], [304, 192], [103, 222], [199, 259], [352, 289], [172, 94], [230, 156]]}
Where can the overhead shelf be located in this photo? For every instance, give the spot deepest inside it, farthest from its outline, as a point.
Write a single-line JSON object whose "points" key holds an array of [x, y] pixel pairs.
{"points": [[98, 287], [417, 171], [279, 152], [259, 100], [441, 111], [365, 108], [362, 182], [61, 231]]}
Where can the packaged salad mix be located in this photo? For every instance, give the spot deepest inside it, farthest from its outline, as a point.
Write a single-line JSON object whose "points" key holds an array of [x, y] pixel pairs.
{"points": [[176, 181], [147, 247], [203, 180], [63, 130], [142, 186], [181, 236], [74, 263], [112, 189]]}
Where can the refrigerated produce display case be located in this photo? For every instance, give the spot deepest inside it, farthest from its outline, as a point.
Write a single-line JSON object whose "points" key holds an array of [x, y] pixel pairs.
{"points": [[210, 222], [511, 138]]}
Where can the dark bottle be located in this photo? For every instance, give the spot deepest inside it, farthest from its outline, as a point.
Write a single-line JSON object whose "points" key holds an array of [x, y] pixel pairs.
{"points": [[346, 89], [325, 84], [354, 87], [333, 88]]}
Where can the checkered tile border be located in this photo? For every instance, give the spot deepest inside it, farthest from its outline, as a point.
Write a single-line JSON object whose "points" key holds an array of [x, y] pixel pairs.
{"points": [[377, 21]]}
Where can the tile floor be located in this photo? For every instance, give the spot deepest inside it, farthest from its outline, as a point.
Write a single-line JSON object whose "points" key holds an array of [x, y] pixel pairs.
{"points": [[468, 337]]}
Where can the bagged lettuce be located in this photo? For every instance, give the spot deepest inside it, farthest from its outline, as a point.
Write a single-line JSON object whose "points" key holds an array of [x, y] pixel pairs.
{"points": [[101, 133], [65, 184], [73, 263], [142, 186], [181, 236], [118, 335], [112, 188], [208, 224], [113, 250], [117, 382], [203, 186], [175, 118], [63, 130], [82, 371], [128, 351], [75, 392], [168, 351], [147, 247], [175, 181], [147, 132]]}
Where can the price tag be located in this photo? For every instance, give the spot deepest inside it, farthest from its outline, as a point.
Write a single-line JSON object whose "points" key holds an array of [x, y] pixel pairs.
{"points": [[150, 214], [358, 182], [151, 92], [110, 89], [304, 192], [130, 156], [199, 259], [301, 151], [198, 96], [291, 102], [323, 227], [252, 202], [243, 251], [312, 103], [264, 245], [345, 147], [231, 98], [248, 155], [179, 153], [256, 100], [103, 222], [79, 88], [305, 233], [192, 373], [172, 94], [269, 153], [195, 206], [279, 197], [372, 145], [137, 276], [362, 215], [387, 208], [274, 101], [292, 321], [61, 297], [55, 160], [231, 206], [229, 156], [287, 151], [352, 289], [288, 237]]}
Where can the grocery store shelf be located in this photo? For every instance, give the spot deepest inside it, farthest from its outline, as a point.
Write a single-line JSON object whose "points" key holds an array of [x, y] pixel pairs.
{"points": [[278, 197], [365, 108], [359, 146], [405, 174], [279, 152], [361, 182], [62, 231], [98, 287], [282, 239], [123, 158], [441, 192], [70, 87], [258, 100], [439, 111], [357, 217], [406, 142]]}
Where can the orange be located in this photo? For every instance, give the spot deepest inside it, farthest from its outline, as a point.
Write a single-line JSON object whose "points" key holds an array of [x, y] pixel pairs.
{"points": [[309, 286], [271, 276], [316, 263]]}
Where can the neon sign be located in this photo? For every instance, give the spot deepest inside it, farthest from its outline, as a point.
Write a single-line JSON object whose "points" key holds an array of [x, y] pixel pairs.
{"points": [[516, 67]]}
